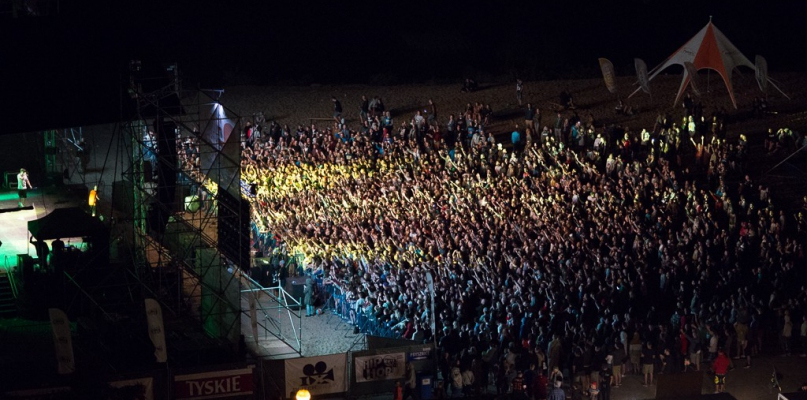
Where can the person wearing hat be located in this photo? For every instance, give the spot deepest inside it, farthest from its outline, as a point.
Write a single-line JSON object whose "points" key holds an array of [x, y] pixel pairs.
{"points": [[23, 184]]}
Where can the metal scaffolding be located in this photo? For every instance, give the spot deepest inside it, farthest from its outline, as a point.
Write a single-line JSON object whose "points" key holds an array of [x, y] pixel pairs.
{"points": [[191, 239]]}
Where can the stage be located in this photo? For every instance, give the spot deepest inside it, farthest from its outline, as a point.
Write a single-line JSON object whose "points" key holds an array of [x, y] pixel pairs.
{"points": [[14, 220]]}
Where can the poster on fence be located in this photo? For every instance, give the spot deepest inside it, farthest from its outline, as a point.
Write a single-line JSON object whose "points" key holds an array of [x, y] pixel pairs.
{"points": [[380, 367], [141, 388], [214, 384], [319, 375]]}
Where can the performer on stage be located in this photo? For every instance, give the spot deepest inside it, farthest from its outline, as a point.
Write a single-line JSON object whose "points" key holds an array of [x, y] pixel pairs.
{"points": [[92, 201], [23, 184]]}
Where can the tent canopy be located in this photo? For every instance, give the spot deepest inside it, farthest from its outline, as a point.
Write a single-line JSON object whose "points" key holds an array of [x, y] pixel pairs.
{"points": [[708, 49], [66, 223]]}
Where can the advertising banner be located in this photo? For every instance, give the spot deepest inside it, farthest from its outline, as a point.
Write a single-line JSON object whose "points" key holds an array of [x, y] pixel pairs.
{"points": [[319, 375], [641, 74], [421, 355], [62, 340], [608, 74], [380, 367], [154, 317], [214, 384], [142, 388], [762, 73]]}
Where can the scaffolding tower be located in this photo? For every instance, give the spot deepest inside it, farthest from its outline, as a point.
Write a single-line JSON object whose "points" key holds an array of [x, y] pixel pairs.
{"points": [[191, 215]]}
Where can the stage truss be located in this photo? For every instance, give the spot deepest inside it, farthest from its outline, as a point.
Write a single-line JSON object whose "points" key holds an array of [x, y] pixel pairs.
{"points": [[192, 270]]}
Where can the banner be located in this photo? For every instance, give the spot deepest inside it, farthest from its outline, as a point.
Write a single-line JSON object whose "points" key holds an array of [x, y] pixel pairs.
{"points": [[319, 375], [142, 388], [60, 392], [214, 385], [421, 355], [608, 74], [154, 317], [62, 340], [693, 77], [641, 74], [253, 316], [762, 73], [380, 367]]}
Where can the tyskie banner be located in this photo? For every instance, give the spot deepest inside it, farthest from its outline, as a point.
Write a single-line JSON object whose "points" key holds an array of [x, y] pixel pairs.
{"points": [[214, 384]]}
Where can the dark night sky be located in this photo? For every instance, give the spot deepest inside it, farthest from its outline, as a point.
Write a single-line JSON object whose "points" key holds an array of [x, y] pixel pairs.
{"points": [[64, 70]]}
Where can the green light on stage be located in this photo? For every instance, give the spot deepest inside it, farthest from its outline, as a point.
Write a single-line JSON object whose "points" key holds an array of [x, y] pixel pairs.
{"points": [[8, 196]]}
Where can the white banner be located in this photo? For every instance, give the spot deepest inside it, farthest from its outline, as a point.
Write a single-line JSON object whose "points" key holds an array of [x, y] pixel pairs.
{"points": [[380, 367], [62, 340], [147, 385], [214, 384], [319, 375], [762, 73], [641, 74], [154, 316]]}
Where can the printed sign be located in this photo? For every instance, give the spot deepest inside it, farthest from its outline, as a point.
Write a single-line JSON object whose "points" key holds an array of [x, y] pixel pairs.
{"points": [[319, 375], [424, 354], [380, 367], [215, 384]]}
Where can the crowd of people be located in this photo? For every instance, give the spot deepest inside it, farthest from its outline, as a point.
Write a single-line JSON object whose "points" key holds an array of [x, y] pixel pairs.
{"points": [[581, 253]]}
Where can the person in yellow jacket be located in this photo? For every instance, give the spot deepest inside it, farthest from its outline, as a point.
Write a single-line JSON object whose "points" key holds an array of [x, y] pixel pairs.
{"points": [[92, 201]]}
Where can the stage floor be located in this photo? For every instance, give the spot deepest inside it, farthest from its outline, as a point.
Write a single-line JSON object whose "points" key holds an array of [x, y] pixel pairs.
{"points": [[14, 221]]}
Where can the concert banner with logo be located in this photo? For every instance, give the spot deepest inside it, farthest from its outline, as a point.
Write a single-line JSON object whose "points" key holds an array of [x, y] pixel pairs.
{"points": [[214, 384], [319, 375], [380, 367]]}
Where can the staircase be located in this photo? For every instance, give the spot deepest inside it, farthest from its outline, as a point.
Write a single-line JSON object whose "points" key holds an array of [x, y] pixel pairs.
{"points": [[8, 301]]}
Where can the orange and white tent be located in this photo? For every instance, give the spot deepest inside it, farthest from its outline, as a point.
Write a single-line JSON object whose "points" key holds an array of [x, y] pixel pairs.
{"points": [[711, 49]]}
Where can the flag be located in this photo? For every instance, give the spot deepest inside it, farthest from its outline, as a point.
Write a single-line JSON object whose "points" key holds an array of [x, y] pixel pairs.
{"points": [[641, 74], [154, 317], [608, 74], [762, 73], [693, 77], [62, 340]]}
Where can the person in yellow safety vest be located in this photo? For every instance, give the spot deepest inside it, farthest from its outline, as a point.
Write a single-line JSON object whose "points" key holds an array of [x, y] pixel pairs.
{"points": [[92, 201]]}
